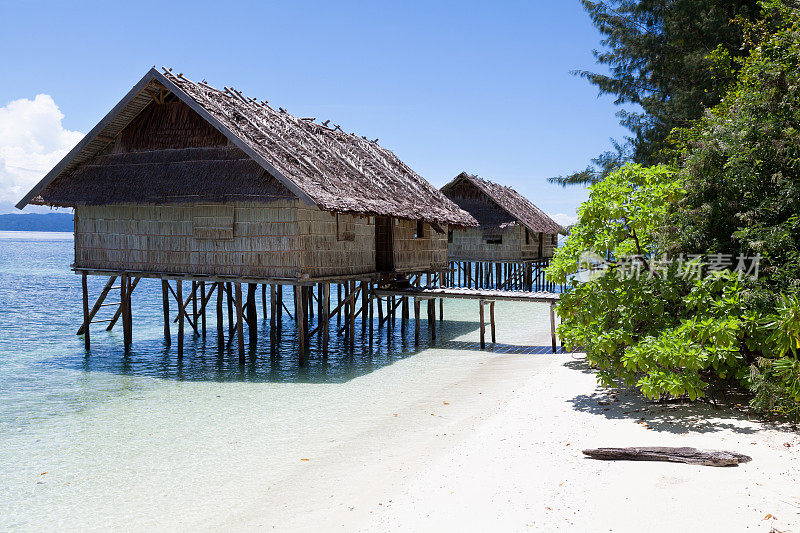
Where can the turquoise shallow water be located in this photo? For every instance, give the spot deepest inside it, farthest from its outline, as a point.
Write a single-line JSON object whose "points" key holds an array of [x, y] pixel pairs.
{"points": [[104, 439]]}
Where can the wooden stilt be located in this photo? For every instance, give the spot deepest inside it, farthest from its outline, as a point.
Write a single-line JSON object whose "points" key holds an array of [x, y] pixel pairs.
{"points": [[364, 303], [203, 308], [403, 315], [416, 321], [98, 304], [380, 313], [264, 300], [371, 316], [230, 308], [491, 321], [125, 294], [301, 328], [553, 325], [352, 314], [273, 311], [483, 326], [220, 324], [325, 317], [179, 297], [118, 314], [279, 310], [195, 288], [86, 318], [165, 305], [338, 301], [252, 319], [309, 310], [239, 320], [320, 305]]}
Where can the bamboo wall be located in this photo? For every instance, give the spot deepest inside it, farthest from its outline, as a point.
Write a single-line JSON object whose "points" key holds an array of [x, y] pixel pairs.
{"points": [[411, 253], [241, 239], [285, 238], [470, 245], [328, 248]]}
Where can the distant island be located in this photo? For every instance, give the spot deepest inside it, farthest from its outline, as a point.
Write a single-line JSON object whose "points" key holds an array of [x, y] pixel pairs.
{"points": [[37, 222]]}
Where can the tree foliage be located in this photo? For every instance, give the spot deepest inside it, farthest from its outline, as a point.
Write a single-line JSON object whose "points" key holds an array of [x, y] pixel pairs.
{"points": [[741, 161], [661, 61]]}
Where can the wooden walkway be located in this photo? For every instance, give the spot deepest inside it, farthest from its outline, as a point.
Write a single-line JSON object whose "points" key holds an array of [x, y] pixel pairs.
{"points": [[484, 296]]}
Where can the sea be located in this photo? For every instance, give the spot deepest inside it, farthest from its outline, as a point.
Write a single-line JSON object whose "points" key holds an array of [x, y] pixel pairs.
{"points": [[104, 439]]}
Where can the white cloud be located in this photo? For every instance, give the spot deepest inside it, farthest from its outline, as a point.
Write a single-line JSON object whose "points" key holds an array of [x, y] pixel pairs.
{"points": [[564, 220], [32, 141]]}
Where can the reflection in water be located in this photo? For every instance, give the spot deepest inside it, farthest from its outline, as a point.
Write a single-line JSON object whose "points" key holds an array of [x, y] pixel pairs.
{"points": [[203, 361]]}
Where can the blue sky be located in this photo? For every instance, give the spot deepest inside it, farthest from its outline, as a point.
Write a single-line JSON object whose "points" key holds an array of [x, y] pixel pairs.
{"points": [[482, 87]]}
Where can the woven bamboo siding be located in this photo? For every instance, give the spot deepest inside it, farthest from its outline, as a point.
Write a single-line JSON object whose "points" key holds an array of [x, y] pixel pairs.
{"points": [[411, 253], [470, 245], [163, 238], [328, 250]]}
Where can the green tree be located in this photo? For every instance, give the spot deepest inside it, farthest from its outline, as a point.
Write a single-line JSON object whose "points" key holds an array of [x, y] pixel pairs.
{"points": [[660, 60], [741, 162]]}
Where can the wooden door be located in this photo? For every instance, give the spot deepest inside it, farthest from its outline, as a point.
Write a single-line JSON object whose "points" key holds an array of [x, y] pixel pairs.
{"points": [[384, 256]]}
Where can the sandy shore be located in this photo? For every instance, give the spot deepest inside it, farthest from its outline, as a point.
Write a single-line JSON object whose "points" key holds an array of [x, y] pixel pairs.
{"points": [[513, 462]]}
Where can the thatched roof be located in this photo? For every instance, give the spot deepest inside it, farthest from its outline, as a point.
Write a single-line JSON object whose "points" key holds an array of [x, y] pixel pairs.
{"points": [[511, 205], [320, 165], [218, 174]]}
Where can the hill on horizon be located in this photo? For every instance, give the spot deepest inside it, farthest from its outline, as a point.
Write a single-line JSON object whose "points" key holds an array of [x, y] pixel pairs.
{"points": [[37, 222]]}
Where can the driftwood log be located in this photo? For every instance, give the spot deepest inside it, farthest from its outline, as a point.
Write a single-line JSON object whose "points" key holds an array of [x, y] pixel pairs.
{"points": [[691, 456]]}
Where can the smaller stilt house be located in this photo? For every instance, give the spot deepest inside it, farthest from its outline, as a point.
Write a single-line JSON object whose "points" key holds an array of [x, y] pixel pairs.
{"points": [[512, 231]]}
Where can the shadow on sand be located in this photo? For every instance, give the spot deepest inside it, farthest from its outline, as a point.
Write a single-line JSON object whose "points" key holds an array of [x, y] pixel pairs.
{"points": [[677, 417]]}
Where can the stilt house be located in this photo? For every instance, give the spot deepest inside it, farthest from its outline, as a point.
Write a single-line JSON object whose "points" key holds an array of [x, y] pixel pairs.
{"points": [[182, 178], [512, 229]]}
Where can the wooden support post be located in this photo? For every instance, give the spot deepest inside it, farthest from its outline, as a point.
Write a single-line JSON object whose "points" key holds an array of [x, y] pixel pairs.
{"points": [[194, 302], [352, 314], [300, 319], [125, 294], [118, 314], [86, 318], [279, 310], [371, 316], [264, 300], [380, 313], [325, 317], [320, 311], [220, 325], [364, 303], [273, 311], [230, 308], [203, 308], [553, 325], [252, 319], [416, 321], [491, 321], [403, 315], [165, 305], [309, 313], [179, 297], [338, 301], [239, 320], [98, 304], [483, 326]]}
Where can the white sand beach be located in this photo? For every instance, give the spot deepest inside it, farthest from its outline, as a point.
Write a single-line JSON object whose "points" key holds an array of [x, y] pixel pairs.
{"points": [[514, 463]]}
